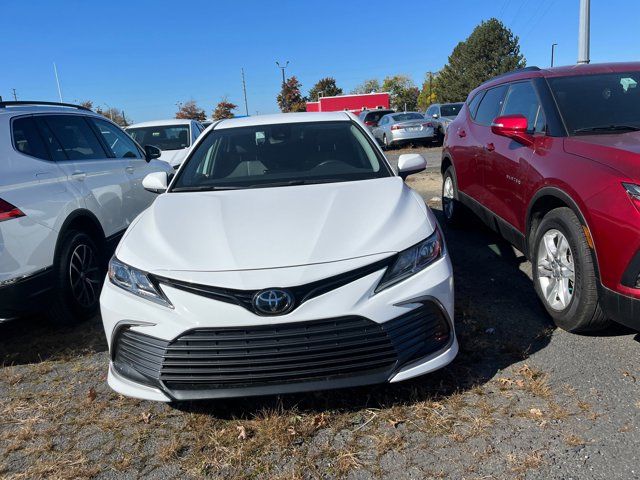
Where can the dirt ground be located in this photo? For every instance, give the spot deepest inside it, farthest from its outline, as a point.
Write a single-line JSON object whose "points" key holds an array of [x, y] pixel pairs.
{"points": [[522, 400]]}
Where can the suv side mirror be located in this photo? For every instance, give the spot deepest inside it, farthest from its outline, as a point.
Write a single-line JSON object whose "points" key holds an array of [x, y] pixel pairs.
{"points": [[151, 152], [155, 182], [410, 163], [435, 115], [513, 127]]}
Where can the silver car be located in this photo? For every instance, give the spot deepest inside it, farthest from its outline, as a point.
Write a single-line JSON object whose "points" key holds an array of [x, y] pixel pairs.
{"points": [[441, 115], [403, 127]]}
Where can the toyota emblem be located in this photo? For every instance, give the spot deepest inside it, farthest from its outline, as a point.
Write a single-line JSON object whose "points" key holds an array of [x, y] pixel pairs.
{"points": [[273, 302]]}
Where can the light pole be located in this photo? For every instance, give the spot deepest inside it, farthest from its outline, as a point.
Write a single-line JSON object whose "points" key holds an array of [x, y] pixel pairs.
{"points": [[583, 31], [282, 67], [553, 48]]}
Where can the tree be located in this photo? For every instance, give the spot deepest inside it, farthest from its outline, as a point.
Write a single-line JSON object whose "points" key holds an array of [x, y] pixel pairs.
{"points": [[190, 110], [368, 86], [114, 114], [86, 104], [428, 93], [290, 99], [224, 109], [403, 92], [327, 86], [490, 50]]}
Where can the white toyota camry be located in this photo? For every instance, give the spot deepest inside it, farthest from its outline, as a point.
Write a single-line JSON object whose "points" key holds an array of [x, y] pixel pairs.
{"points": [[284, 256]]}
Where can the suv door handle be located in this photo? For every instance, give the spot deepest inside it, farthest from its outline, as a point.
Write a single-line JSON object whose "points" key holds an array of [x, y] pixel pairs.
{"points": [[489, 147], [80, 176], [462, 133], [129, 169]]}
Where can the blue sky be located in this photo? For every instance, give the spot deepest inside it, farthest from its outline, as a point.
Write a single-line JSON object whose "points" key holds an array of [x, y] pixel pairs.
{"points": [[144, 56]]}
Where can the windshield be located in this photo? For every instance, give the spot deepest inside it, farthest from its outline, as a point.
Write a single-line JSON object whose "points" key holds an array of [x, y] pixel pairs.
{"points": [[165, 137], [450, 110], [281, 154], [403, 117], [376, 116], [596, 104]]}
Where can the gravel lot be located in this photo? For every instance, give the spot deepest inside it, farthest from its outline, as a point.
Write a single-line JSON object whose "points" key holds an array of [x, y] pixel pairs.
{"points": [[522, 400]]}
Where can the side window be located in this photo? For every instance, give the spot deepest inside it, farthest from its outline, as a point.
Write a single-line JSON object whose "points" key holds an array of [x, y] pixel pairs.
{"points": [[473, 104], [27, 139], [429, 112], [490, 105], [119, 142], [522, 99], [75, 137]]}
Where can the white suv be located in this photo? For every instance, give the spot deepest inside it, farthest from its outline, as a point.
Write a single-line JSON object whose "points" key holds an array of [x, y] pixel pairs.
{"points": [[70, 185]]}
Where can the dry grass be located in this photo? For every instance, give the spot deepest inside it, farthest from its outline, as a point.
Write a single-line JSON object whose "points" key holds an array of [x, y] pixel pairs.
{"points": [[523, 463]]}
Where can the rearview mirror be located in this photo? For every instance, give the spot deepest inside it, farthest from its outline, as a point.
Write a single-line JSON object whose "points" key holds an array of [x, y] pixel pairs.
{"points": [[151, 152], [410, 163], [513, 127], [155, 182]]}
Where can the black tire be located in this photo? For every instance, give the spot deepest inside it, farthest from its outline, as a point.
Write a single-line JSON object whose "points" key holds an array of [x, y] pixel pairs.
{"points": [[78, 275], [583, 312], [454, 212]]}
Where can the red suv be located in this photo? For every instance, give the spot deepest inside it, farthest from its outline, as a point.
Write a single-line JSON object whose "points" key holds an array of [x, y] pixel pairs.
{"points": [[550, 159]]}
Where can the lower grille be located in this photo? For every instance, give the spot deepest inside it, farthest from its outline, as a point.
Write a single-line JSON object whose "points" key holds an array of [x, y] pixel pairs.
{"points": [[313, 351]]}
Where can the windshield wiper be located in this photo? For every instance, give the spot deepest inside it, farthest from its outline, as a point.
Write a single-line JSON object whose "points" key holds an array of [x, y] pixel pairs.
{"points": [[288, 183], [202, 188], [608, 128]]}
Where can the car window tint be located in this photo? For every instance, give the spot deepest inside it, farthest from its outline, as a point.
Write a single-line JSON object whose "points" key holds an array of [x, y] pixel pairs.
{"points": [[75, 136], [473, 104], [119, 142], [27, 139], [490, 105], [51, 143], [522, 99]]}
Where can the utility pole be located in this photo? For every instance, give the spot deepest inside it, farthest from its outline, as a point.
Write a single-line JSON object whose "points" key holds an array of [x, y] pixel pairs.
{"points": [[244, 89], [553, 47], [15, 97], [284, 99], [55, 71], [584, 31]]}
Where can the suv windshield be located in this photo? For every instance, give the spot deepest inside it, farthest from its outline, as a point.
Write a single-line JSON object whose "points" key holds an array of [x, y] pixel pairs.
{"points": [[403, 117], [597, 104], [281, 154], [450, 110], [165, 137]]}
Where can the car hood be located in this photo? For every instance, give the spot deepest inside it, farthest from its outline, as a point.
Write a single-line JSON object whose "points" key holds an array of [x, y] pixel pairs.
{"points": [[174, 157], [618, 151], [276, 227]]}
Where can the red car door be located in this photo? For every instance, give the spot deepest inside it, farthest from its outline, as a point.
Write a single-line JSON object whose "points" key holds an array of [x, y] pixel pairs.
{"points": [[507, 161]]}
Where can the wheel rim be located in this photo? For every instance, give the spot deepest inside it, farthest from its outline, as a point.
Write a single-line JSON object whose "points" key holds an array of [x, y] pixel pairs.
{"points": [[84, 275], [447, 197], [556, 270]]}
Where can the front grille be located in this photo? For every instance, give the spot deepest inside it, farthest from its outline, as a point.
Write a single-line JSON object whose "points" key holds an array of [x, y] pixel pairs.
{"points": [[301, 293], [313, 351]]}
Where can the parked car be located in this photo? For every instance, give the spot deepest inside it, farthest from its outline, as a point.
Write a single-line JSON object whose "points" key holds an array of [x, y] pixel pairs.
{"points": [[285, 255], [372, 117], [441, 115], [551, 160], [173, 137], [400, 128], [70, 184]]}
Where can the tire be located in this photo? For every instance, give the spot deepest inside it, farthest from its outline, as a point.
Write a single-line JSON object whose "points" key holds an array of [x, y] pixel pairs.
{"points": [[570, 297], [453, 211], [78, 275]]}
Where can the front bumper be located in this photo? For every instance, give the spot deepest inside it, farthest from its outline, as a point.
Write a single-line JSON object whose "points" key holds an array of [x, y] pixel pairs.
{"points": [[205, 348], [26, 295]]}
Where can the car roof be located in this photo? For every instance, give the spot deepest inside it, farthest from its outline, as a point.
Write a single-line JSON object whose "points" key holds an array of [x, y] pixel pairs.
{"points": [[283, 118], [12, 110], [161, 123], [563, 71]]}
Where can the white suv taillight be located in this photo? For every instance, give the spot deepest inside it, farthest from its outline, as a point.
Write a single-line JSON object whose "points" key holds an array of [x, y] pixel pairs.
{"points": [[8, 211]]}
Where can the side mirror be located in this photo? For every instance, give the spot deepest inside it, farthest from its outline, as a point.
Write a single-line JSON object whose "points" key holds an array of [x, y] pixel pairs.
{"points": [[155, 182], [513, 127], [151, 152], [410, 163], [435, 115]]}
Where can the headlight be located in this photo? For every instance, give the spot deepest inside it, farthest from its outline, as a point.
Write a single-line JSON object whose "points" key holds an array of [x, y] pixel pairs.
{"points": [[135, 281], [412, 260]]}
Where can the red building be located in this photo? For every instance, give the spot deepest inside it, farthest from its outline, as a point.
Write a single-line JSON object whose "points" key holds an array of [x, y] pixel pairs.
{"points": [[352, 103]]}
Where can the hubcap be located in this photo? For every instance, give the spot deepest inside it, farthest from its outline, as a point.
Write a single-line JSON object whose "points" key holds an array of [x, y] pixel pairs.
{"points": [[447, 197], [84, 275], [556, 271]]}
